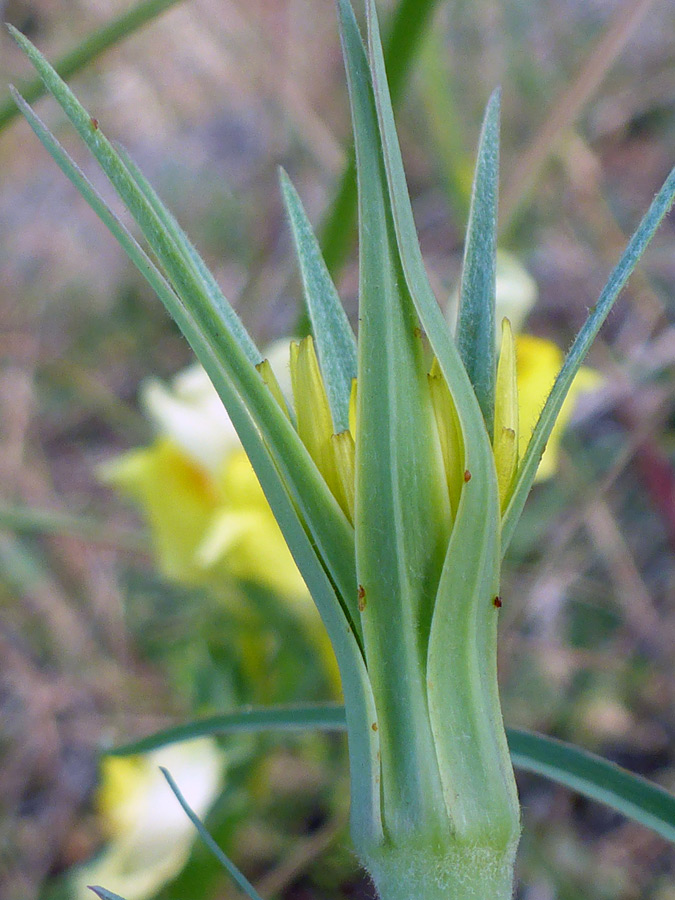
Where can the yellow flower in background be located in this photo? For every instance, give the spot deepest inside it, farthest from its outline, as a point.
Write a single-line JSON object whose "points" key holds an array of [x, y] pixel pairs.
{"points": [[538, 362], [149, 835], [208, 516]]}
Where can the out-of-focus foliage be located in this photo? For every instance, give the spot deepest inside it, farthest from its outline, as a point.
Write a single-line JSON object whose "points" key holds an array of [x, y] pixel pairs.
{"points": [[148, 836], [586, 652]]}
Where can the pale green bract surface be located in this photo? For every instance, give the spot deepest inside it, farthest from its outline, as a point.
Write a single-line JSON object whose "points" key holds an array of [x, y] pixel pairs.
{"points": [[408, 585]]}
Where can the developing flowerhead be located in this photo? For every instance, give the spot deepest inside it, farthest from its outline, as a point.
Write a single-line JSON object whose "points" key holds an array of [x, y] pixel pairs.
{"points": [[526, 369]]}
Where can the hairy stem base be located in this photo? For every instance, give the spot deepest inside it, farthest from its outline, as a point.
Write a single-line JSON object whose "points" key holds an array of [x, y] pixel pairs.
{"points": [[455, 873]]}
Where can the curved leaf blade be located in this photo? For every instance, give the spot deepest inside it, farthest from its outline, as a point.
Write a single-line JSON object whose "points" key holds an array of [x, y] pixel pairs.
{"points": [[363, 741], [330, 528], [333, 334], [461, 659], [253, 720], [577, 353], [476, 319], [235, 874], [595, 778], [566, 764]]}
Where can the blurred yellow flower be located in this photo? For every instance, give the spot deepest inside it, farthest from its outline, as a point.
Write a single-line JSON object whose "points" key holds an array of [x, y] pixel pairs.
{"points": [[208, 516], [149, 835], [207, 526], [538, 361], [209, 519]]}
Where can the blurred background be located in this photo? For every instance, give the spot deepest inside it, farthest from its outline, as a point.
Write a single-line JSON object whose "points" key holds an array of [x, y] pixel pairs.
{"points": [[98, 644]]}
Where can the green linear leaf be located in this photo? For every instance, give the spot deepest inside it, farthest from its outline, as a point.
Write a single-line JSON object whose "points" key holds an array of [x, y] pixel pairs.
{"points": [[237, 876], [334, 337], [330, 528], [431, 316], [577, 353], [476, 319], [89, 49], [573, 767], [461, 661], [266, 472], [596, 778], [305, 717], [363, 742], [402, 512], [407, 28]]}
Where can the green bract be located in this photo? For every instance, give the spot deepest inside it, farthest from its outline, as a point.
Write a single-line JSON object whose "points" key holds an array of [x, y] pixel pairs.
{"points": [[387, 492]]}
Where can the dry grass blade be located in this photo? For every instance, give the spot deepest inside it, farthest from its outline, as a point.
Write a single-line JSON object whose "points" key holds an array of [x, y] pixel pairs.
{"points": [[569, 105]]}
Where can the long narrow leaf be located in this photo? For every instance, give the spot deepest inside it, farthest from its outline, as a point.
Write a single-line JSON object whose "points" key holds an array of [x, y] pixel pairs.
{"points": [[476, 321], [333, 334], [577, 353], [237, 876], [363, 743], [596, 778], [568, 765], [461, 662], [401, 503], [309, 717], [321, 511]]}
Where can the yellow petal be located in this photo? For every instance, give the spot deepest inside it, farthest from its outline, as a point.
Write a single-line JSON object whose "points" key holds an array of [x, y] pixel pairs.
{"points": [[449, 433], [243, 536], [505, 441], [538, 363], [177, 497], [314, 420], [270, 379], [352, 407], [344, 450]]}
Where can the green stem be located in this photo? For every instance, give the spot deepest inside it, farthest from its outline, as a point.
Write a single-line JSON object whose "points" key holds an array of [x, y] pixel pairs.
{"points": [[446, 872]]}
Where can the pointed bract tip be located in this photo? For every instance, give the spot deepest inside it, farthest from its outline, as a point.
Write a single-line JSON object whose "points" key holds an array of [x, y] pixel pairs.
{"points": [[18, 36], [102, 893], [284, 179], [495, 102]]}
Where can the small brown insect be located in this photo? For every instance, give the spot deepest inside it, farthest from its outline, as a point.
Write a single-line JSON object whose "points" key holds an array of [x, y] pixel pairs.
{"points": [[374, 726], [467, 475], [361, 595], [497, 602], [94, 123]]}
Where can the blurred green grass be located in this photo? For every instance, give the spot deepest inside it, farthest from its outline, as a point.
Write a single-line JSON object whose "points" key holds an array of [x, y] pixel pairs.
{"points": [[209, 100]]}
